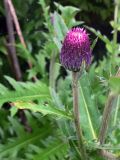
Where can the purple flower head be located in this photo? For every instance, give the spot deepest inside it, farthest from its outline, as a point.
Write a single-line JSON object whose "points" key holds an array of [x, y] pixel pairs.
{"points": [[75, 49]]}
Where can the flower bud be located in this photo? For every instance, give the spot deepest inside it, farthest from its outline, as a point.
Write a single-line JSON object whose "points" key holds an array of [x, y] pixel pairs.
{"points": [[75, 49]]}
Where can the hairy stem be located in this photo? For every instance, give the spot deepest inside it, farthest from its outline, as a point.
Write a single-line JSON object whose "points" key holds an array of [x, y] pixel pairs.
{"points": [[105, 119], [76, 116]]}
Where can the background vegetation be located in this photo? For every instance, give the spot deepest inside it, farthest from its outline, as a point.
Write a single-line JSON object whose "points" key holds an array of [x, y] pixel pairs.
{"points": [[36, 115]]}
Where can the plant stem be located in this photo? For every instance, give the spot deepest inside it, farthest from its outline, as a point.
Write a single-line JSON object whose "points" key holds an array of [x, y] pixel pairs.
{"points": [[111, 97], [11, 44], [116, 111], [105, 119], [104, 127], [107, 155], [76, 116], [51, 71], [18, 29], [15, 20], [115, 21], [13, 57], [105, 122]]}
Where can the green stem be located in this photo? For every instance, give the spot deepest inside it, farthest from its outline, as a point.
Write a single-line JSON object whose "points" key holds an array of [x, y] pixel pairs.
{"points": [[52, 71], [76, 116], [115, 21]]}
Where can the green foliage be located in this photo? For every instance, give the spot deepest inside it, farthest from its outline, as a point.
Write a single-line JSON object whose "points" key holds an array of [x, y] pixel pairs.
{"points": [[68, 13], [20, 139], [115, 84], [53, 148], [88, 109], [24, 91], [30, 91], [102, 8], [42, 108], [47, 131]]}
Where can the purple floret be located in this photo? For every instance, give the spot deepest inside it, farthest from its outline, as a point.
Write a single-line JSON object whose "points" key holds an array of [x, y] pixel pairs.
{"points": [[75, 49]]}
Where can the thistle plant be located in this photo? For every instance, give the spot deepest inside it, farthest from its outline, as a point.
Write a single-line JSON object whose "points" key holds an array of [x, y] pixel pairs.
{"points": [[47, 103], [76, 51]]}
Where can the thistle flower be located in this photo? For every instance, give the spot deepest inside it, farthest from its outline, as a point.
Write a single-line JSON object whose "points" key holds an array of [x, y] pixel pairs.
{"points": [[75, 49]]}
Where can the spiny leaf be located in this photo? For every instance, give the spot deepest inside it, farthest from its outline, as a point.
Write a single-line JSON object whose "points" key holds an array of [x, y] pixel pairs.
{"points": [[25, 92], [42, 108]]}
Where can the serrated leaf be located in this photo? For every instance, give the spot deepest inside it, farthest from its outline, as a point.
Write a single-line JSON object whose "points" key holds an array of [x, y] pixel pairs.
{"points": [[29, 91], [44, 108]]}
